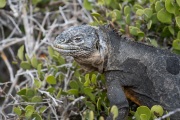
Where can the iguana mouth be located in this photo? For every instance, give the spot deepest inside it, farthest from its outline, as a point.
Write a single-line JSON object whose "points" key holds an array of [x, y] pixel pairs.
{"points": [[66, 47], [68, 50]]}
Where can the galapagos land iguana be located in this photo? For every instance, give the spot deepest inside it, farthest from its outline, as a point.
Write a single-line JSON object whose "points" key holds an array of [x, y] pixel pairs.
{"points": [[151, 74]]}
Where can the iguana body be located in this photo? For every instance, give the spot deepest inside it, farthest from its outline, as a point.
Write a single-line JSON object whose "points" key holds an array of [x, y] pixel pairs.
{"points": [[151, 74]]}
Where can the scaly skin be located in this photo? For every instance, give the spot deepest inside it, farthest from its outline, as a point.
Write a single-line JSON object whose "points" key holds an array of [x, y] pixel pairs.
{"points": [[151, 74]]}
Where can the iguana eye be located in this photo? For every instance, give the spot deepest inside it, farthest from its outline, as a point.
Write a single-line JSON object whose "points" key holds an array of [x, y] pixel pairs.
{"points": [[97, 45], [78, 39]]}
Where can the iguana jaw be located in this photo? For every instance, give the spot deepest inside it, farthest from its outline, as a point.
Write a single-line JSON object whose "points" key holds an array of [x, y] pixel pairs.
{"points": [[66, 50]]}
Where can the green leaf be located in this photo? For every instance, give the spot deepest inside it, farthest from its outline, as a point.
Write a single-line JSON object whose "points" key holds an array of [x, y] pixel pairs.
{"points": [[149, 24], [36, 116], [140, 12], [30, 93], [43, 109], [148, 12], [157, 110], [25, 65], [98, 104], [134, 30], [142, 110], [158, 6], [108, 2], [36, 99], [35, 2], [178, 35], [164, 17], [171, 29], [73, 92], [128, 19], [17, 110], [51, 79], [154, 42], [95, 14], [114, 111], [127, 10], [176, 44], [88, 92], [34, 62], [87, 80], [90, 105], [29, 107], [87, 5], [169, 7], [117, 14], [2, 3], [91, 115], [93, 79], [22, 92], [20, 53], [143, 117], [59, 93], [37, 83], [178, 2], [178, 21], [51, 90], [50, 51], [28, 113], [27, 58], [73, 84]]}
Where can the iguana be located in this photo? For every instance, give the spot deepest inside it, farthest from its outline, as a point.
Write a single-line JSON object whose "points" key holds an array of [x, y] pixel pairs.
{"points": [[150, 74]]}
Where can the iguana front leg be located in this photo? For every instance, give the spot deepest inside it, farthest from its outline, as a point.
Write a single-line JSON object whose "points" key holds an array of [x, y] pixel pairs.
{"points": [[116, 96]]}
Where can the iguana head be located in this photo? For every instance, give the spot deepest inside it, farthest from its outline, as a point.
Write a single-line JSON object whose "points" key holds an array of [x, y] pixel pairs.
{"points": [[85, 43]]}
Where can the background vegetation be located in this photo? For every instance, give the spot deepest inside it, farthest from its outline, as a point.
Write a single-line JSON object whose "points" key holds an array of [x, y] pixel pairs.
{"points": [[36, 82]]}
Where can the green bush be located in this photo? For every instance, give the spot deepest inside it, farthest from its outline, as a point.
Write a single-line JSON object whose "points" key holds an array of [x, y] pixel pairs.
{"points": [[155, 21]]}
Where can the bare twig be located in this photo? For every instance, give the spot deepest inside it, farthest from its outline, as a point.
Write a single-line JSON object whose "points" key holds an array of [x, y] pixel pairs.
{"points": [[169, 114]]}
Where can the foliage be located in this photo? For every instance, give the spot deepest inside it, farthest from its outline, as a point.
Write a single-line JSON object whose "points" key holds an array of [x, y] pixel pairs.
{"points": [[91, 86], [53, 87], [154, 21]]}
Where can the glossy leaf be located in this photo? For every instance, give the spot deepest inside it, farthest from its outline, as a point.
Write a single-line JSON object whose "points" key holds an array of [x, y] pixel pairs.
{"points": [[87, 5], [148, 12], [17, 110], [25, 65], [91, 115], [73, 84], [36, 99], [28, 113], [158, 6], [142, 110], [51, 79], [178, 2], [157, 110], [178, 21], [169, 7], [34, 62], [2, 3], [140, 12], [164, 17], [30, 93], [73, 92], [176, 44], [36, 116], [90, 105], [114, 111], [20, 53], [127, 10], [43, 109], [178, 35]]}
